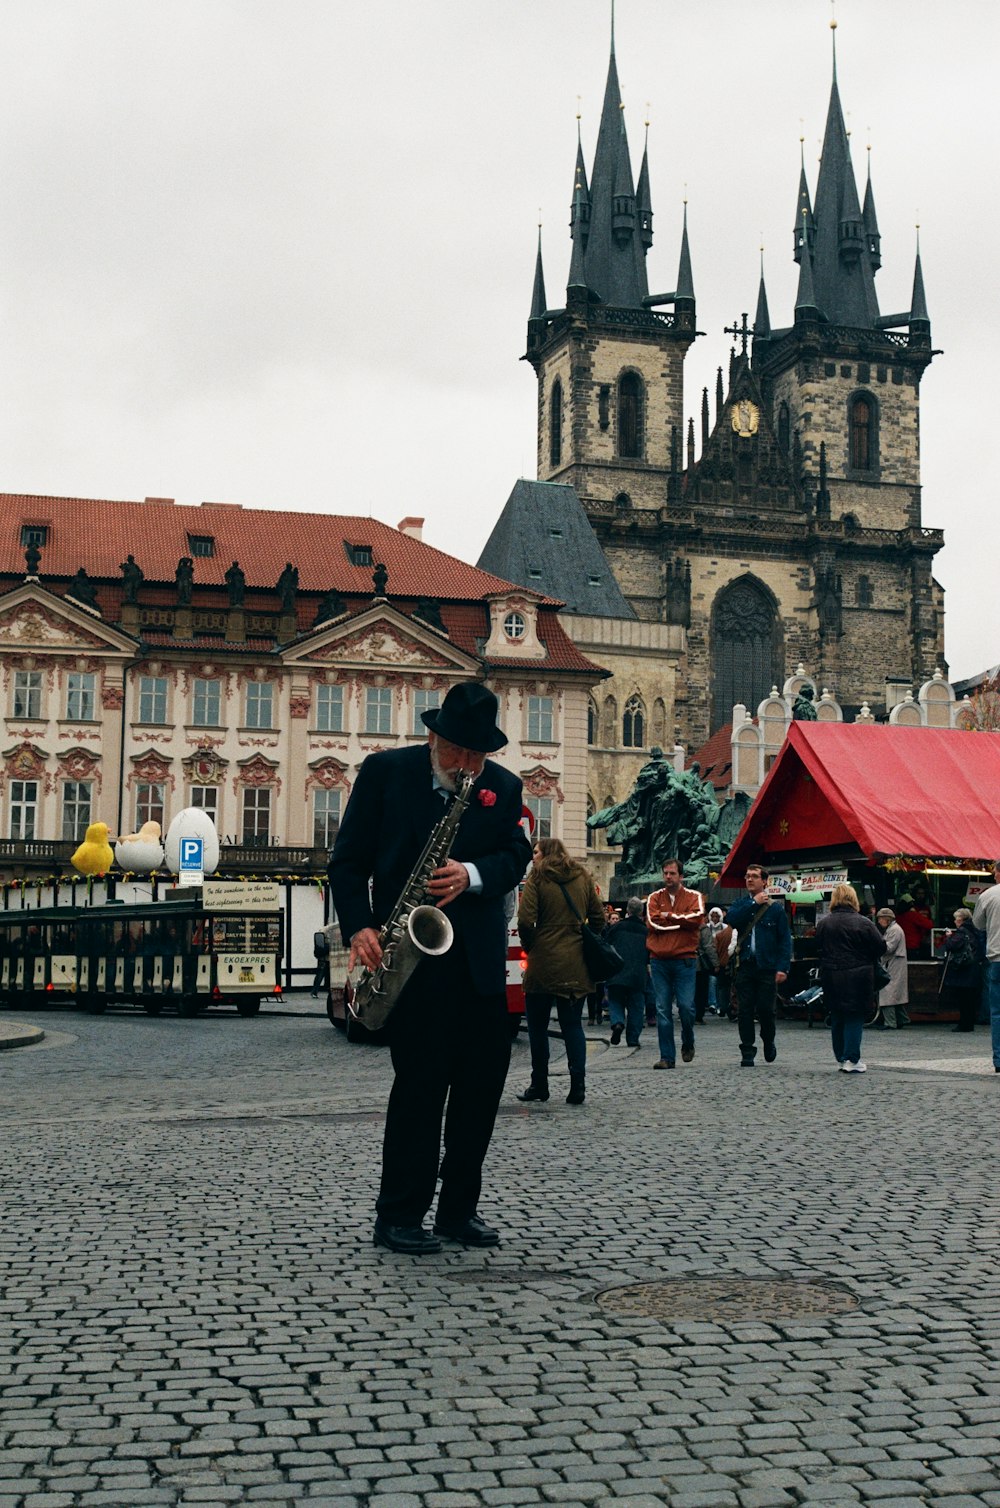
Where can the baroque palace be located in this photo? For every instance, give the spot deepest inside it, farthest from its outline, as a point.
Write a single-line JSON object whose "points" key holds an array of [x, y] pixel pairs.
{"points": [[786, 527], [245, 662]]}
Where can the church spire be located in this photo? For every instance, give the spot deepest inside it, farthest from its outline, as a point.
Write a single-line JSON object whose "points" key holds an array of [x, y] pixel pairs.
{"points": [[762, 319], [805, 298], [538, 304], [685, 282], [920, 322], [843, 278], [643, 199], [615, 256], [579, 215], [804, 229], [871, 221]]}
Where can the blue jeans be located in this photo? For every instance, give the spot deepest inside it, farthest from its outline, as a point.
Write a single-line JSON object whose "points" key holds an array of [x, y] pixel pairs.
{"points": [[846, 1032], [627, 1008], [537, 1010], [673, 977], [993, 990]]}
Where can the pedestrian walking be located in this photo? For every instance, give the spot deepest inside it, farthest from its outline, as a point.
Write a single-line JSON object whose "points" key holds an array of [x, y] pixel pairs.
{"points": [[627, 991], [848, 946], [761, 958], [321, 953], [893, 997], [986, 918], [961, 979], [674, 917], [558, 895]]}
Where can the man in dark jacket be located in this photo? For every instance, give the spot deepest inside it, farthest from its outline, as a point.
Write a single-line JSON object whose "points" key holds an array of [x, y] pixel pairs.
{"points": [[762, 959], [627, 991], [448, 1034]]}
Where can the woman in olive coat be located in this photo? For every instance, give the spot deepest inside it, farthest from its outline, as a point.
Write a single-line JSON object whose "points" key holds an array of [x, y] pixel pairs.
{"points": [[556, 974]]}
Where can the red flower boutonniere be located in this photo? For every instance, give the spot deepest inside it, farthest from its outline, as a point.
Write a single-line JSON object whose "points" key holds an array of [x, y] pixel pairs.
{"points": [[487, 798]]}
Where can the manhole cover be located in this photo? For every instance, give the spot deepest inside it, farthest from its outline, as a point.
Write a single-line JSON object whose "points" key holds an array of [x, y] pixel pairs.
{"points": [[728, 1299]]}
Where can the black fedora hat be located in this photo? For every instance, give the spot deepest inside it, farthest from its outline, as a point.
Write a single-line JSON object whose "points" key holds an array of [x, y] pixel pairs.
{"points": [[467, 717]]}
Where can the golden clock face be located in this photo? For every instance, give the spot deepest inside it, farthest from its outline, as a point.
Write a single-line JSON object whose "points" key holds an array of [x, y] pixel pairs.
{"points": [[746, 418]]}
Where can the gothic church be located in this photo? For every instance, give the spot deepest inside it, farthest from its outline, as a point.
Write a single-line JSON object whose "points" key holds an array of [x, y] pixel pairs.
{"points": [[795, 532]]}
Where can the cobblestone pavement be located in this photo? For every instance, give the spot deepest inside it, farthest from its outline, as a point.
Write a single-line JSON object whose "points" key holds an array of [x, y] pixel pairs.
{"points": [[193, 1311]]}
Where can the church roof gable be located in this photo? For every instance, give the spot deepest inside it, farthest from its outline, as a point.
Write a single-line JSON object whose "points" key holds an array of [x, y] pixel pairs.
{"points": [[544, 541]]}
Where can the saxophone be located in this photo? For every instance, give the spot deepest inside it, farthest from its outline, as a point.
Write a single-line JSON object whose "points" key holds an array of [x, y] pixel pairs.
{"points": [[413, 929]]}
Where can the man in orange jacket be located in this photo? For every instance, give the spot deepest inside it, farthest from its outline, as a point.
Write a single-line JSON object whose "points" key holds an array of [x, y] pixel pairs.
{"points": [[674, 918]]}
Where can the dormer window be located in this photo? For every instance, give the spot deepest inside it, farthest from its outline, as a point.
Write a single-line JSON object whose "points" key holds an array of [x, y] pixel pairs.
{"points": [[555, 534], [534, 573], [34, 535], [201, 544], [514, 626], [593, 580], [359, 555]]}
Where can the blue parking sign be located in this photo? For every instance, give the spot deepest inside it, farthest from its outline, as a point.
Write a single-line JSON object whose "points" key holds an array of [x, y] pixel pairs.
{"points": [[191, 858]]}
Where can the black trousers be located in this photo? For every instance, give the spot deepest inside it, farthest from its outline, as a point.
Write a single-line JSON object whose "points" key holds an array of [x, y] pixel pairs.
{"points": [[450, 1046], [755, 997]]}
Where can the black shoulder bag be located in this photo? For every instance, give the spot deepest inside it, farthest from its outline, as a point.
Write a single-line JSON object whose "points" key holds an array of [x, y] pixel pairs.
{"points": [[602, 960]]}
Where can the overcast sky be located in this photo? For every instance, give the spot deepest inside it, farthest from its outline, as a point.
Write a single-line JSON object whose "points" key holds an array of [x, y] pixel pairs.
{"points": [[280, 252]]}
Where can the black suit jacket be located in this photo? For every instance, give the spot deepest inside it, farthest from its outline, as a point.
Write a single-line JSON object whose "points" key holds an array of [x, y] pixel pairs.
{"points": [[392, 810]]}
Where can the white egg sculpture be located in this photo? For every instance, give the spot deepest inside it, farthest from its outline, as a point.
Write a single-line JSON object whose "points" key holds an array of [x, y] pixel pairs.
{"points": [[192, 822]]}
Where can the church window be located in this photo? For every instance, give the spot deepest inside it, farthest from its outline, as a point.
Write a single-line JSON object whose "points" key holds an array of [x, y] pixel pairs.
{"points": [[555, 424], [659, 726], [591, 831], [863, 433], [863, 594], [634, 724], [609, 723], [630, 415], [784, 427], [745, 649], [591, 721]]}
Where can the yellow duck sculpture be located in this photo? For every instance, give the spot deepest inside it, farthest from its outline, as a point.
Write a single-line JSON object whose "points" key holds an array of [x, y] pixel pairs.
{"points": [[94, 856]]}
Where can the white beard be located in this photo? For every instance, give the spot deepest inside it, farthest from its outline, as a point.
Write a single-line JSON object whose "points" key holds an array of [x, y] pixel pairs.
{"points": [[445, 778]]}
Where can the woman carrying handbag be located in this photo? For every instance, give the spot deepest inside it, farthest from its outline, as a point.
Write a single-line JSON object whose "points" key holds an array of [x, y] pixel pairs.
{"points": [[558, 895]]}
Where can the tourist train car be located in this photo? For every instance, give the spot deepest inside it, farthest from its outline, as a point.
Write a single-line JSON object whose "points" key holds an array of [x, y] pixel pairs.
{"points": [[171, 954]]}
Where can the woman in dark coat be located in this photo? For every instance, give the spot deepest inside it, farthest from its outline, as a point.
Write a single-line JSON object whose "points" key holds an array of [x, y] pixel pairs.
{"points": [[848, 947], [962, 977], [556, 974]]}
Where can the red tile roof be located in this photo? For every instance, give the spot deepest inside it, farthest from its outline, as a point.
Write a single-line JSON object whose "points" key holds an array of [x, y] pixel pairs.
{"points": [[715, 757], [97, 534]]}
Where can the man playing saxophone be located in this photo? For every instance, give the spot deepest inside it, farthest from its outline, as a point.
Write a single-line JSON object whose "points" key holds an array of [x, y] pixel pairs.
{"points": [[448, 1035]]}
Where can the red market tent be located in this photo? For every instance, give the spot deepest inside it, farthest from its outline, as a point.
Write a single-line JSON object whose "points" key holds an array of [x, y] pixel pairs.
{"points": [[851, 790]]}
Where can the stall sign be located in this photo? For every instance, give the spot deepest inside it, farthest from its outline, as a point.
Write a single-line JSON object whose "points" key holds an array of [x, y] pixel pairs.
{"points": [[789, 884], [241, 895]]}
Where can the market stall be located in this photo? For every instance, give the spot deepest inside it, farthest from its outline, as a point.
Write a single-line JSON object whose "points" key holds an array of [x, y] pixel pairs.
{"points": [[910, 815]]}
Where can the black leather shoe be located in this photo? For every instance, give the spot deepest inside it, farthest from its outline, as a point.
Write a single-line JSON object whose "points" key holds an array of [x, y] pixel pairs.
{"points": [[533, 1092], [471, 1232], [770, 1053], [412, 1240], [616, 1035]]}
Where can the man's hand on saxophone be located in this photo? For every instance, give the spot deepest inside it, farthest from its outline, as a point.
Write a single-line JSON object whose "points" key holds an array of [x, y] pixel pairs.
{"points": [[365, 949], [448, 882]]}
